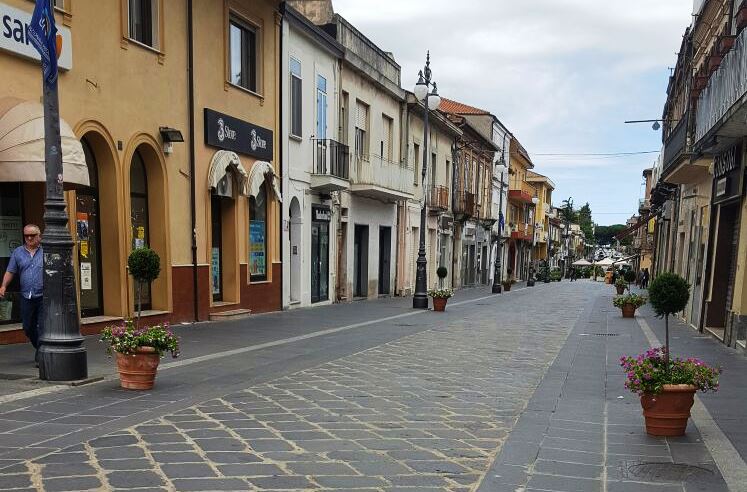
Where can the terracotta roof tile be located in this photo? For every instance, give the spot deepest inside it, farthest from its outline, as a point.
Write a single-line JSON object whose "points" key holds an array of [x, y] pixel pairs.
{"points": [[454, 107]]}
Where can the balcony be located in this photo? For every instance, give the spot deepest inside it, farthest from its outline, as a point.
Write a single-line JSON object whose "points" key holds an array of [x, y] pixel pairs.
{"points": [[331, 166], [439, 199], [722, 105], [381, 179], [521, 191], [523, 232], [644, 205], [464, 204]]}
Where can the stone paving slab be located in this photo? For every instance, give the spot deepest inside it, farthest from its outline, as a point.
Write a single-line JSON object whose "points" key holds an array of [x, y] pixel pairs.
{"points": [[584, 432], [427, 411]]}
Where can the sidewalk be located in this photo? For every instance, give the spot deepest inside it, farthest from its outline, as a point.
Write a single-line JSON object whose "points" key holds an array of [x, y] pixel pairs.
{"points": [[582, 431]]}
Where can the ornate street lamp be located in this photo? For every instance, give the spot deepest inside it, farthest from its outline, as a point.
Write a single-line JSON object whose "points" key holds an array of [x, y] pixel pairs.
{"points": [[431, 101], [497, 286]]}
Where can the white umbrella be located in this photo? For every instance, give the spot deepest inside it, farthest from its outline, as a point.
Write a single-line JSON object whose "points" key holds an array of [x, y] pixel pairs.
{"points": [[606, 262], [581, 262]]}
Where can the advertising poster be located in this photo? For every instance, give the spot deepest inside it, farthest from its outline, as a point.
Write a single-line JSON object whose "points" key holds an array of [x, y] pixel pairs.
{"points": [[257, 264], [215, 270], [82, 224], [84, 249], [85, 276], [11, 234]]}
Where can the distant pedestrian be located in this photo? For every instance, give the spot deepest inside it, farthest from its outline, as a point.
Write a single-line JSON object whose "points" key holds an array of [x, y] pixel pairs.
{"points": [[27, 262], [644, 282]]}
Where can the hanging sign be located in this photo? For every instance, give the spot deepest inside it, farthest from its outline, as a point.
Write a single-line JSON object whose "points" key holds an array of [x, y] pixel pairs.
{"points": [[727, 176], [10, 234], [321, 214]]}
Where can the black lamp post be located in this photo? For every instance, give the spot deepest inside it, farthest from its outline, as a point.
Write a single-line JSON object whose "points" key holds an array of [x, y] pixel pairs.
{"points": [[497, 286], [431, 101]]}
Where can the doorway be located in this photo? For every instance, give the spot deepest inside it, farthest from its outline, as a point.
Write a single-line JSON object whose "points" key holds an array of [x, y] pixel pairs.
{"points": [[724, 268], [360, 261], [296, 242], [320, 254], [385, 258], [216, 256], [89, 240]]}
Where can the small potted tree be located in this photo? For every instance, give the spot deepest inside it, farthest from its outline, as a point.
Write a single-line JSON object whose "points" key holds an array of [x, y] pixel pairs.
{"points": [[530, 280], [441, 295], [629, 277], [620, 285], [628, 304], [144, 266], [667, 388]]}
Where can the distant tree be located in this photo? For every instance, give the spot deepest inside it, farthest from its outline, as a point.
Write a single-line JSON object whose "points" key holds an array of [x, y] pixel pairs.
{"points": [[606, 234], [584, 220], [568, 213]]}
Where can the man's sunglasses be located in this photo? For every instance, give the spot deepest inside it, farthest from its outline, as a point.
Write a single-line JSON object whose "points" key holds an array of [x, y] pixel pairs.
{"points": [[29, 235]]}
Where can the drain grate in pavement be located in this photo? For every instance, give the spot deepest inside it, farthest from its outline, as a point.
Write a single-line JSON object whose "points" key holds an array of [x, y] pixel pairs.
{"points": [[599, 334], [666, 472]]}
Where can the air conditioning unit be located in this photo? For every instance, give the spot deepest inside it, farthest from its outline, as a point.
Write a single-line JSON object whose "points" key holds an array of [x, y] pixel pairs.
{"points": [[224, 187]]}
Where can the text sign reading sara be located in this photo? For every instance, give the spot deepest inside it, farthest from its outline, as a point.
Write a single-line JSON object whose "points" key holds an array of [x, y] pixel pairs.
{"points": [[14, 25], [229, 133]]}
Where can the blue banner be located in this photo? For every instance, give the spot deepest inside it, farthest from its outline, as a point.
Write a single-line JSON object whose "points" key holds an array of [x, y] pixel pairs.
{"points": [[42, 34]]}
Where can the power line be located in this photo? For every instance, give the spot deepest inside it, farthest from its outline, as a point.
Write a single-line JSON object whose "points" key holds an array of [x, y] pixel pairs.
{"points": [[603, 154]]}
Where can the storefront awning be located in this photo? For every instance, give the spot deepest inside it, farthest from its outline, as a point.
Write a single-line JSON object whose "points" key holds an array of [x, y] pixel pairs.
{"points": [[222, 161], [261, 171], [22, 145]]}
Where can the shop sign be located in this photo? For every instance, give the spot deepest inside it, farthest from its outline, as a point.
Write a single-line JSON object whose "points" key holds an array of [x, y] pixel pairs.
{"points": [[321, 214], [727, 174], [10, 234], [14, 26], [229, 133]]}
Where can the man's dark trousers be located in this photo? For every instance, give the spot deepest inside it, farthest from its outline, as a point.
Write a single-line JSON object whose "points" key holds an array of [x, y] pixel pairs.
{"points": [[32, 317]]}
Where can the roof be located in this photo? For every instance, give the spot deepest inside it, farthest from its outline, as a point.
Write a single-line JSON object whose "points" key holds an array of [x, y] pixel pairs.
{"points": [[533, 177], [454, 107]]}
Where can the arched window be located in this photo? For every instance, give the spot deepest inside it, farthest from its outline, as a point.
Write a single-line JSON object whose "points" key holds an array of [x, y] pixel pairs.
{"points": [[258, 235], [89, 239], [139, 212]]}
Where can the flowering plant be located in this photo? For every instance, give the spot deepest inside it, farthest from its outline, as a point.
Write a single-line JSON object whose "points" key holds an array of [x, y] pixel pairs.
{"points": [[647, 373], [620, 282], [126, 339], [441, 293], [633, 299]]}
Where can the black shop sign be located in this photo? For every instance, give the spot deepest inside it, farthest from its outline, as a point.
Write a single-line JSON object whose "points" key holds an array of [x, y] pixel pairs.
{"points": [[320, 214], [229, 133], [727, 174]]}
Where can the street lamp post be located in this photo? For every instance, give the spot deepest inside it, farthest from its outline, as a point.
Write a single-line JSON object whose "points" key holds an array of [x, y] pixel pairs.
{"points": [[497, 286], [431, 101]]}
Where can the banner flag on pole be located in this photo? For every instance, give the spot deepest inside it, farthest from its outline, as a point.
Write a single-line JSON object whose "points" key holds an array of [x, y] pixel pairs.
{"points": [[501, 222], [42, 35]]}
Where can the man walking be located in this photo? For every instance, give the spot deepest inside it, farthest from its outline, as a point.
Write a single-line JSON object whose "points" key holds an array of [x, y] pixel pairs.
{"points": [[27, 261]]}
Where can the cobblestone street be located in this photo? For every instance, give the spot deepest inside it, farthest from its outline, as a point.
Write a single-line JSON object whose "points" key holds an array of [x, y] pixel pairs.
{"points": [[432, 410]]}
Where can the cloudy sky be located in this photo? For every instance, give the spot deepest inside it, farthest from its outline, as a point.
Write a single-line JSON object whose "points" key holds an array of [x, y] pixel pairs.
{"points": [[562, 75]]}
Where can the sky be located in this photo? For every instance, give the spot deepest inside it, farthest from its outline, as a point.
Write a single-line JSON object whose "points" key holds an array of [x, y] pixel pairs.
{"points": [[561, 75]]}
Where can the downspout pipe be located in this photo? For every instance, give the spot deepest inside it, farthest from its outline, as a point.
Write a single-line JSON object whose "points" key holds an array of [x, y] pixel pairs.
{"points": [[279, 124], [192, 150]]}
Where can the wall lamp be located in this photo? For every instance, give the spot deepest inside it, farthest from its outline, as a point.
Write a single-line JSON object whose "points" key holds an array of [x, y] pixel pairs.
{"points": [[169, 136]]}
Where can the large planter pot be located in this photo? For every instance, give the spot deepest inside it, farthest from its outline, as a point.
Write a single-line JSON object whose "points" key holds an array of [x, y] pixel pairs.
{"points": [[439, 303], [530, 283], [628, 311], [138, 371], [507, 287], [620, 289], [666, 414]]}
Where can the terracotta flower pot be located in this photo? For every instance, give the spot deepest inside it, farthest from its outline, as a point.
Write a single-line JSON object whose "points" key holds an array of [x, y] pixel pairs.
{"points": [[628, 311], [507, 287], [439, 303], [620, 289], [666, 414], [138, 371]]}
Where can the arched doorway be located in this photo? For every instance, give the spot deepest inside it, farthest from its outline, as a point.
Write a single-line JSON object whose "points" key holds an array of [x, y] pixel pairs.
{"points": [[296, 249], [139, 214], [88, 228]]}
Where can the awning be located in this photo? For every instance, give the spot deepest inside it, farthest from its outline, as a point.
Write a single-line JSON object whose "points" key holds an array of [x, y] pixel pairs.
{"points": [[22, 145], [581, 262], [263, 171], [222, 161]]}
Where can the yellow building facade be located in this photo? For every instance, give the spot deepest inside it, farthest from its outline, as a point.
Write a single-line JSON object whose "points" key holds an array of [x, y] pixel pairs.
{"points": [[129, 93]]}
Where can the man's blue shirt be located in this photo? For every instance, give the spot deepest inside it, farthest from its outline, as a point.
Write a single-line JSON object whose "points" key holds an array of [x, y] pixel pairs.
{"points": [[30, 269]]}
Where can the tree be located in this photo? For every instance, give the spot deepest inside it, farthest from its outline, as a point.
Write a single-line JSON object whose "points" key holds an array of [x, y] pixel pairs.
{"points": [[144, 266], [606, 234], [585, 222], [668, 294], [567, 211]]}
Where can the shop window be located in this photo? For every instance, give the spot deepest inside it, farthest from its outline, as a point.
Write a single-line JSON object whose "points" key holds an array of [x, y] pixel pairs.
{"points": [[139, 212], [296, 85], [258, 235], [11, 236], [89, 240], [243, 55], [143, 21]]}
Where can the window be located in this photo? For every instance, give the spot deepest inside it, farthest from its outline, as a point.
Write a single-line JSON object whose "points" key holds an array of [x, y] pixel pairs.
{"points": [[258, 235], [143, 21], [387, 137], [361, 129], [296, 128], [59, 4], [243, 55], [344, 118], [415, 163], [433, 170], [139, 213], [321, 107]]}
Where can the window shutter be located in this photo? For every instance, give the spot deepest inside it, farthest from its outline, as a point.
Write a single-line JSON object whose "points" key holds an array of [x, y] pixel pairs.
{"points": [[361, 116]]}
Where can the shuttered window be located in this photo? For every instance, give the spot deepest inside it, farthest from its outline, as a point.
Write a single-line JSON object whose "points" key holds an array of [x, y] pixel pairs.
{"points": [[296, 86], [387, 137], [361, 128]]}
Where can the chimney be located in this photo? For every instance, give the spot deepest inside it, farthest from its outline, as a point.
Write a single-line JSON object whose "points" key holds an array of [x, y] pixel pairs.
{"points": [[317, 11]]}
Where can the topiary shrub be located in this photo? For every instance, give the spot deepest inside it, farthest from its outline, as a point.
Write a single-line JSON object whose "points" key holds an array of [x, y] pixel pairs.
{"points": [[144, 266], [668, 294], [441, 273]]}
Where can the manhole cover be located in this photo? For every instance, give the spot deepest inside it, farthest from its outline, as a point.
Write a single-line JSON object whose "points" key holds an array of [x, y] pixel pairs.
{"points": [[666, 472]]}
